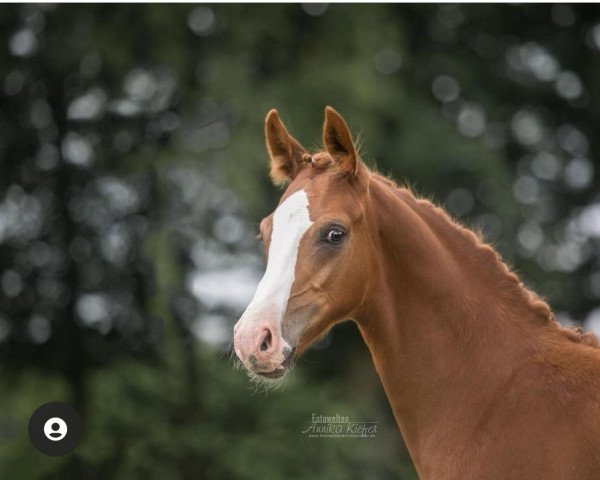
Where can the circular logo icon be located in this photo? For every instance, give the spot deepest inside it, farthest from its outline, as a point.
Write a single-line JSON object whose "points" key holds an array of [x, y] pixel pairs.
{"points": [[55, 429]]}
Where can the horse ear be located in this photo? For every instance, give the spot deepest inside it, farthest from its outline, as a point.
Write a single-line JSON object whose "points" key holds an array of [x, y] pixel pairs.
{"points": [[339, 144], [284, 150]]}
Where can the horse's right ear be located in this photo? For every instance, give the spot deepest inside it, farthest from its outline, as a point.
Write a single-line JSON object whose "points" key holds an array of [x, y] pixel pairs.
{"points": [[285, 151], [339, 144]]}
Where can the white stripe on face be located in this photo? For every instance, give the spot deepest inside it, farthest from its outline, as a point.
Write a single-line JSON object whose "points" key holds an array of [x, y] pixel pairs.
{"points": [[291, 220]]}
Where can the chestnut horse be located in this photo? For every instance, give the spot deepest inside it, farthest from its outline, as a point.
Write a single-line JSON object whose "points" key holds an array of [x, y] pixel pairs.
{"points": [[483, 382]]}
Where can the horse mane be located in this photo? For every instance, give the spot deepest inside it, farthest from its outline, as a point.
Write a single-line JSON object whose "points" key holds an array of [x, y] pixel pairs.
{"points": [[487, 255]]}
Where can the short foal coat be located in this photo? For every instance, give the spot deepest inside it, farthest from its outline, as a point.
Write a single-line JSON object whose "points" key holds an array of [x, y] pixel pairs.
{"points": [[483, 382]]}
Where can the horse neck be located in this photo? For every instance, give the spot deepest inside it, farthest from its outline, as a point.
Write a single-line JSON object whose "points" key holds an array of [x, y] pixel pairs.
{"points": [[447, 324]]}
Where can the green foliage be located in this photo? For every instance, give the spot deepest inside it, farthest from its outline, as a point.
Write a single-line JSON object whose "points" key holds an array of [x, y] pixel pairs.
{"points": [[140, 424]]}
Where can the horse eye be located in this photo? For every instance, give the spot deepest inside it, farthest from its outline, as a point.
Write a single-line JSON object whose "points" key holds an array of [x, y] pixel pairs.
{"points": [[335, 236]]}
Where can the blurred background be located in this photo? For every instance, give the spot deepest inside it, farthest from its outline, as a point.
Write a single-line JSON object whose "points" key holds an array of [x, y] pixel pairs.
{"points": [[133, 176]]}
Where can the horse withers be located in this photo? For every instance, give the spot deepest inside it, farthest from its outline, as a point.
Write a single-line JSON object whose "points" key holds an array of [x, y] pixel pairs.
{"points": [[483, 382]]}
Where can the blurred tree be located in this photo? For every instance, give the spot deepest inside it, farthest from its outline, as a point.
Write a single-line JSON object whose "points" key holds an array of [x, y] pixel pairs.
{"points": [[76, 285], [522, 80]]}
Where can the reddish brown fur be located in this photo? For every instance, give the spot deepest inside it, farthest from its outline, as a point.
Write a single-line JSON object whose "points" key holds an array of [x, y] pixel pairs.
{"points": [[483, 382]]}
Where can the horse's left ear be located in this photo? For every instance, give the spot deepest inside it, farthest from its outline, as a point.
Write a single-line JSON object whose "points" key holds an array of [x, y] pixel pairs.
{"points": [[339, 144]]}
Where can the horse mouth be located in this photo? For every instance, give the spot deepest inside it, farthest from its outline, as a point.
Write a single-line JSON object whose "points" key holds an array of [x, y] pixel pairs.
{"points": [[282, 369], [277, 373]]}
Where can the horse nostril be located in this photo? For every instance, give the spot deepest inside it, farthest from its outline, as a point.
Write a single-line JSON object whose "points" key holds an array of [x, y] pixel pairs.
{"points": [[266, 343]]}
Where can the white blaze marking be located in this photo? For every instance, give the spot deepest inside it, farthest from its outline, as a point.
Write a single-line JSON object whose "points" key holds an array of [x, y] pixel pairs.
{"points": [[291, 220]]}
